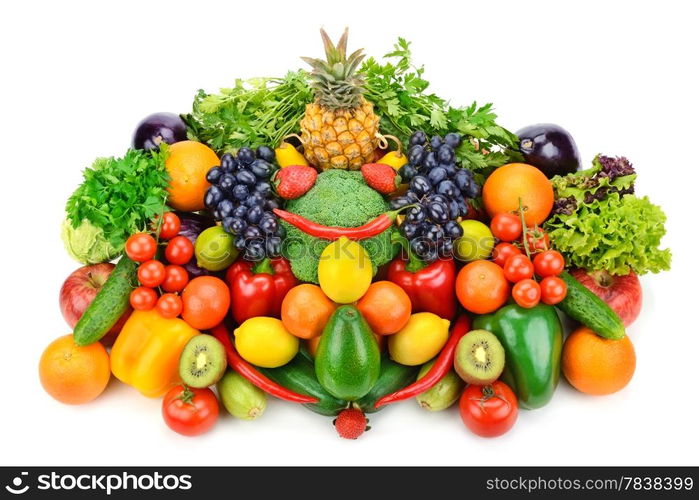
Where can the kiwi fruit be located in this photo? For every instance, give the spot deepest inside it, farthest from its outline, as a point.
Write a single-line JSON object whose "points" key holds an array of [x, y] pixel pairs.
{"points": [[479, 357], [202, 362]]}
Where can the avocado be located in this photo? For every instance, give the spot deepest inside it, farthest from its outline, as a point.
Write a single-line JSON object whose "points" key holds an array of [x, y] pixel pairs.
{"points": [[348, 361]]}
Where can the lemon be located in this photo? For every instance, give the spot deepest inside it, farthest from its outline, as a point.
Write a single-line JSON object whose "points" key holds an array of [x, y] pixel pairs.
{"points": [[420, 340], [476, 243], [265, 342], [215, 249], [344, 271]]}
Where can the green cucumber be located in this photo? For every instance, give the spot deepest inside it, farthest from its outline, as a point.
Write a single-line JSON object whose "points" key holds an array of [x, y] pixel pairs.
{"points": [[109, 304], [584, 306], [299, 375], [394, 377]]}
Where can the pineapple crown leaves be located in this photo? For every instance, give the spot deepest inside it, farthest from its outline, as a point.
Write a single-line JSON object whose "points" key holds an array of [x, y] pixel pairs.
{"points": [[334, 80]]}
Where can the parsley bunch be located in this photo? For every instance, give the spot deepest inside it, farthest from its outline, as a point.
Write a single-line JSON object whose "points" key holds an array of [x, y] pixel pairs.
{"points": [[400, 94], [120, 196], [252, 113]]}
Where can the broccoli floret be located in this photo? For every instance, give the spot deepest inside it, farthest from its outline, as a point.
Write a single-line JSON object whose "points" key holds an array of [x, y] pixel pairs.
{"points": [[339, 198]]}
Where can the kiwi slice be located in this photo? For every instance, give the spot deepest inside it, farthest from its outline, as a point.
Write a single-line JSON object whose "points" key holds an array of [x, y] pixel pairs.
{"points": [[202, 362], [479, 357]]}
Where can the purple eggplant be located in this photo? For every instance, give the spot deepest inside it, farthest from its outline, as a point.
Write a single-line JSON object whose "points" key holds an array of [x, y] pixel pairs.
{"points": [[549, 148], [157, 128]]}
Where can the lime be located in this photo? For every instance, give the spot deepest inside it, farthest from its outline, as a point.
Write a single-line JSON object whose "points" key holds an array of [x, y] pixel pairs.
{"points": [[214, 249], [476, 243]]}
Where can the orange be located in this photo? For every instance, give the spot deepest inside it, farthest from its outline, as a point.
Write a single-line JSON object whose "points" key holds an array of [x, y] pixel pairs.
{"points": [[595, 365], [312, 344], [73, 374], [188, 164], [306, 310], [386, 307], [510, 183], [481, 287], [205, 302]]}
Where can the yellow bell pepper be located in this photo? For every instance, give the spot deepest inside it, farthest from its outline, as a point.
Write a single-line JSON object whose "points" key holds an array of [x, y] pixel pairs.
{"points": [[395, 159], [147, 352], [286, 155]]}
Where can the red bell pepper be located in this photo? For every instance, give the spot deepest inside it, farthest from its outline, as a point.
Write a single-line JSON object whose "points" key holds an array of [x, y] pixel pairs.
{"points": [[431, 288], [257, 289]]}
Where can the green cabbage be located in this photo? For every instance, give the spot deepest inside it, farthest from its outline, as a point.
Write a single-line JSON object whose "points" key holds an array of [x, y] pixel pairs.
{"points": [[86, 243]]}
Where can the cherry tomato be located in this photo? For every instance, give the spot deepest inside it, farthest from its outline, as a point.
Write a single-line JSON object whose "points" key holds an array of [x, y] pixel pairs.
{"points": [[169, 305], [170, 226], [190, 411], [143, 298], [151, 273], [504, 251], [176, 278], [549, 263], [140, 247], [506, 227], [489, 410], [179, 250], [537, 240], [526, 293], [518, 268], [553, 290]]}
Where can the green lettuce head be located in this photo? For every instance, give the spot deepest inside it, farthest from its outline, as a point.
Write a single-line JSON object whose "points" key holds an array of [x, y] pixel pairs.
{"points": [[86, 243]]}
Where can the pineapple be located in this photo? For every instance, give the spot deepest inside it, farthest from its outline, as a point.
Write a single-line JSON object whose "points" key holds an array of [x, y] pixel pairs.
{"points": [[339, 129]]}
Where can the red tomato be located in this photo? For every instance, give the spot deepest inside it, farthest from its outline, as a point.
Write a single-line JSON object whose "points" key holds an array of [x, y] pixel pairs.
{"points": [[143, 298], [169, 305], [151, 273], [176, 278], [518, 268], [549, 263], [179, 250], [190, 411], [140, 247], [504, 251], [553, 290], [489, 410], [537, 240], [526, 293], [170, 226], [506, 227]]}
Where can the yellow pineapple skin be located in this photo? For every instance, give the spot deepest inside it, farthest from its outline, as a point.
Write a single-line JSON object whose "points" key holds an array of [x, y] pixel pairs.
{"points": [[343, 139]]}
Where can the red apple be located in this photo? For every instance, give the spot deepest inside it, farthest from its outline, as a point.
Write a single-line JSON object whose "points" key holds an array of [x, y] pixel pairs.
{"points": [[78, 292], [622, 293]]}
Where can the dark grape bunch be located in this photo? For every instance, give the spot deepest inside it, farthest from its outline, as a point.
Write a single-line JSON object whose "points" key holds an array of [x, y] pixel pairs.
{"points": [[242, 198], [438, 190]]}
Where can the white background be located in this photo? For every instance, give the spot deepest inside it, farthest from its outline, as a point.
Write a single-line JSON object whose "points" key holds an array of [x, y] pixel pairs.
{"points": [[77, 77]]}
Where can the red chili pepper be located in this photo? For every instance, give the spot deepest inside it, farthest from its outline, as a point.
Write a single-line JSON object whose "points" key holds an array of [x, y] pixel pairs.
{"points": [[259, 289], [431, 288], [441, 366], [255, 377], [368, 230]]}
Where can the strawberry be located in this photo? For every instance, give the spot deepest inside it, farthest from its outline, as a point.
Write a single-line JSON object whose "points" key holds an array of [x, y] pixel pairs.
{"points": [[381, 177], [294, 181], [351, 423]]}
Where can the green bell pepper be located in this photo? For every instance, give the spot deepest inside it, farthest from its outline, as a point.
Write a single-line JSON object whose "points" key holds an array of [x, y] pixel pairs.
{"points": [[532, 339]]}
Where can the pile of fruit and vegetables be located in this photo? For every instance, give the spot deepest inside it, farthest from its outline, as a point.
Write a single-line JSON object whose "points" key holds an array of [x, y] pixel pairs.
{"points": [[344, 239]]}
